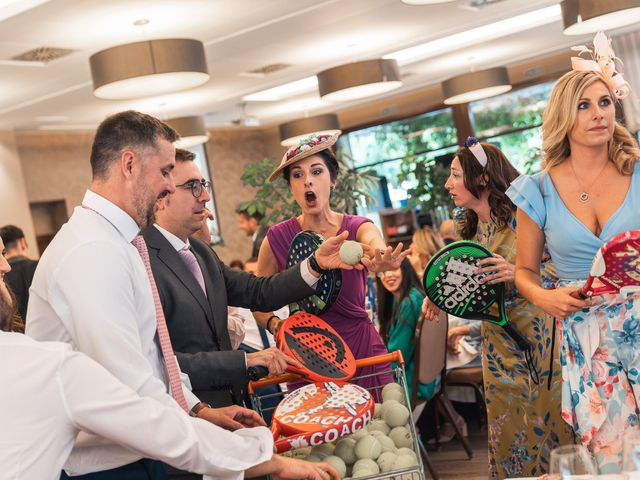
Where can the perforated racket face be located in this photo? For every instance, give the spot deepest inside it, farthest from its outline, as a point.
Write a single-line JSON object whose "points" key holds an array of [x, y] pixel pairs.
{"points": [[619, 257], [452, 285], [324, 406], [328, 287], [316, 345]]}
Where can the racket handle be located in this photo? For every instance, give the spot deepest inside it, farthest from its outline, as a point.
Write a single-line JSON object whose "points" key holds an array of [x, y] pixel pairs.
{"points": [[257, 372], [579, 294], [520, 339]]}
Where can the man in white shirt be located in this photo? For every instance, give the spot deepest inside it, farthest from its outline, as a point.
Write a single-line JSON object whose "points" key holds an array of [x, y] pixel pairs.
{"points": [[91, 288], [78, 394]]}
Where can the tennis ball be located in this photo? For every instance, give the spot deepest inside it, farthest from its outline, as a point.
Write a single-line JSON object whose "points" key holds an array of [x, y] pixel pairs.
{"points": [[368, 447], [313, 458], [358, 434], [351, 252], [338, 464], [405, 461], [367, 465], [388, 404], [387, 444], [323, 450], [401, 437], [393, 394], [396, 415], [346, 450], [406, 451], [386, 460], [391, 386], [381, 426], [377, 412]]}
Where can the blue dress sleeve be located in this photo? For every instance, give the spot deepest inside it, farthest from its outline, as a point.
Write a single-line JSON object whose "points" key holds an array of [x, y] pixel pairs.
{"points": [[525, 193]]}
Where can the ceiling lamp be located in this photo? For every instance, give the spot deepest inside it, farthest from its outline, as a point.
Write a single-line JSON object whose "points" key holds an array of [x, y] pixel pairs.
{"points": [[358, 80], [590, 16], [191, 129], [476, 85], [426, 2], [148, 68], [292, 132]]}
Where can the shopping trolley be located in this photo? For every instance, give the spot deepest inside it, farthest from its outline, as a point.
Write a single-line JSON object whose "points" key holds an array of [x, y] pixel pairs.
{"points": [[411, 473]]}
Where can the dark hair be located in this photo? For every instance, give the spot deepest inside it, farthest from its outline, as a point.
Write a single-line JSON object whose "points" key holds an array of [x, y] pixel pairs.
{"points": [[387, 314], [236, 264], [498, 174], [11, 322], [329, 160], [257, 215], [126, 130], [183, 155], [10, 235]]}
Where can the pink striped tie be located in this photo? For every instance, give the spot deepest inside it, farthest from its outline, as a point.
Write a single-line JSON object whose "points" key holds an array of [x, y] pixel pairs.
{"points": [[170, 363]]}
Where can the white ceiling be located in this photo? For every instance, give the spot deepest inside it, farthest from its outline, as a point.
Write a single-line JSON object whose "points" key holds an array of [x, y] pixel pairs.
{"points": [[242, 35]]}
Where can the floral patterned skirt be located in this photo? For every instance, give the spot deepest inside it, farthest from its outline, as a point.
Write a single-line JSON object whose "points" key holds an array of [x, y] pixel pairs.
{"points": [[524, 419], [600, 373]]}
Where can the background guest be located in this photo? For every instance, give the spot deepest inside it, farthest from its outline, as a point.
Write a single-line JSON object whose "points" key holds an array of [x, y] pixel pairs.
{"points": [[22, 267]]}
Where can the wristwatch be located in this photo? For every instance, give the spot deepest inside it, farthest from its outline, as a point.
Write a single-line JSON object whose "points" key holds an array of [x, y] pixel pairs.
{"points": [[197, 407], [313, 263]]}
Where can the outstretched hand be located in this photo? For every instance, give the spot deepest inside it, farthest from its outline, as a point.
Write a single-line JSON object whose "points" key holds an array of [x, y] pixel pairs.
{"points": [[387, 259], [328, 254]]}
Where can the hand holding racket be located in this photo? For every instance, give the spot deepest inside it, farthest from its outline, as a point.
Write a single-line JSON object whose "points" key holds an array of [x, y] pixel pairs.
{"points": [[615, 267], [452, 282], [313, 344], [496, 269], [320, 412]]}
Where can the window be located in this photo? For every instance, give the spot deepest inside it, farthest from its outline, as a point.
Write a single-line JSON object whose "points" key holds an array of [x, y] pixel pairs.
{"points": [[512, 122], [382, 148], [203, 164]]}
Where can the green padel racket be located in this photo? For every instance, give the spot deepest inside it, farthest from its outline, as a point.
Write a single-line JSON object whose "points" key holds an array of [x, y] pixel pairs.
{"points": [[452, 284]]}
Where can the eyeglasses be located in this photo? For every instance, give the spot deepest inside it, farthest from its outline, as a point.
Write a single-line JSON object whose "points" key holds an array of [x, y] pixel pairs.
{"points": [[196, 186]]}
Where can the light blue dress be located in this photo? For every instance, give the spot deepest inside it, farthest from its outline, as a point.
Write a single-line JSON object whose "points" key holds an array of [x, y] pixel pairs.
{"points": [[600, 346]]}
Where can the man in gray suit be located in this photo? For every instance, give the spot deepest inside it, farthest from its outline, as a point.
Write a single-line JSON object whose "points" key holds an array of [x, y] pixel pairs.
{"points": [[197, 316]]}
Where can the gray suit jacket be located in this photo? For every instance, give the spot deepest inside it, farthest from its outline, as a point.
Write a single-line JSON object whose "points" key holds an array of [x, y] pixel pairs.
{"points": [[198, 323]]}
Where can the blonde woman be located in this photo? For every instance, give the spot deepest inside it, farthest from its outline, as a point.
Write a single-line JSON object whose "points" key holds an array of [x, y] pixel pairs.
{"points": [[424, 243], [588, 192]]}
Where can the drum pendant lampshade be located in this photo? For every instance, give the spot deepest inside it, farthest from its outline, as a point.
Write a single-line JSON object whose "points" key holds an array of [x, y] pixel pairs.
{"points": [[292, 132], [148, 68], [476, 85], [191, 129], [590, 16], [359, 80]]}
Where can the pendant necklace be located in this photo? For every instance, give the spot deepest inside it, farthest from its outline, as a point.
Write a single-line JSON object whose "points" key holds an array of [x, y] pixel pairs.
{"points": [[584, 195]]}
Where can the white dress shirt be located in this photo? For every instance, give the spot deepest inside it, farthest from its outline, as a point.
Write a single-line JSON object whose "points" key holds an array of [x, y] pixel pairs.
{"points": [[91, 290], [50, 392]]}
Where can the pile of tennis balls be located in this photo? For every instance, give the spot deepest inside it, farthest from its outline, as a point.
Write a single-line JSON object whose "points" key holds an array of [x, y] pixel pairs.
{"points": [[383, 446]]}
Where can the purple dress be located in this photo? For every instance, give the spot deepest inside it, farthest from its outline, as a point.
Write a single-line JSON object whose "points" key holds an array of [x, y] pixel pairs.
{"points": [[347, 315]]}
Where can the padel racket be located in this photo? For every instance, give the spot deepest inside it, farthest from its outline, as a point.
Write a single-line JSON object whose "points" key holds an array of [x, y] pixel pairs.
{"points": [[616, 266], [317, 346], [452, 284], [320, 412], [328, 287]]}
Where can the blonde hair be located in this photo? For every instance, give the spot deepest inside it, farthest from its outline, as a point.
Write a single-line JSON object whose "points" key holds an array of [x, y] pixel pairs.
{"points": [[426, 242], [560, 115]]}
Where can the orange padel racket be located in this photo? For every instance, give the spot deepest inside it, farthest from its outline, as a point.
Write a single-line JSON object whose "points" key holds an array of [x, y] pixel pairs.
{"points": [[317, 346], [320, 412]]}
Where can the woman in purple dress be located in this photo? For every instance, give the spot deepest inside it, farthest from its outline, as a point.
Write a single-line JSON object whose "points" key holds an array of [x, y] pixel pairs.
{"points": [[311, 170]]}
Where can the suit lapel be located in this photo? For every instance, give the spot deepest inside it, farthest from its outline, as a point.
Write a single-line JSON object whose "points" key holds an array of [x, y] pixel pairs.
{"points": [[168, 255]]}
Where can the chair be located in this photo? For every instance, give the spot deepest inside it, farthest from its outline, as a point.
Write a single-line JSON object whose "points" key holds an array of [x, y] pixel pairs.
{"points": [[429, 364], [469, 377]]}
